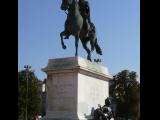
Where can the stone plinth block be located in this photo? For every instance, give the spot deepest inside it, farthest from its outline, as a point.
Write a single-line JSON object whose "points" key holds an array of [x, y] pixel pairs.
{"points": [[74, 87]]}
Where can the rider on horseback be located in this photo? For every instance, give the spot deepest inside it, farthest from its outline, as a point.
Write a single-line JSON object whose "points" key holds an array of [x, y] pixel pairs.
{"points": [[85, 12]]}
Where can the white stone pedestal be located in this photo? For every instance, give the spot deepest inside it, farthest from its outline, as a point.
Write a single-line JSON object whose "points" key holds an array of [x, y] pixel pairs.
{"points": [[74, 87]]}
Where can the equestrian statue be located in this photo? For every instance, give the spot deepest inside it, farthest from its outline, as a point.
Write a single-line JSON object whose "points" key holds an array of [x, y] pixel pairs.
{"points": [[78, 24]]}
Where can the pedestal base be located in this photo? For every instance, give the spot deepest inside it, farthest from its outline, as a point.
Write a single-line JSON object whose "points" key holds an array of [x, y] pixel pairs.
{"points": [[74, 88]]}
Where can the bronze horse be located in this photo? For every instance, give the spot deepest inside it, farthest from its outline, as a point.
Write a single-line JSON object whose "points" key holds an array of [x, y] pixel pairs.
{"points": [[74, 26]]}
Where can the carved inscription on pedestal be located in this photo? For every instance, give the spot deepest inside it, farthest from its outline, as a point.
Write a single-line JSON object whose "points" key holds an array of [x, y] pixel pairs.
{"points": [[94, 93], [62, 94]]}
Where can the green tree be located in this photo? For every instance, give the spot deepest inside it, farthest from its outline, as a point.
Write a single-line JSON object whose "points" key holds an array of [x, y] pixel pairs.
{"points": [[33, 100], [125, 89]]}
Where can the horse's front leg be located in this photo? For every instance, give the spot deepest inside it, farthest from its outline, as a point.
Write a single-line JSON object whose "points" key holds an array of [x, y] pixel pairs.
{"points": [[76, 44], [62, 42]]}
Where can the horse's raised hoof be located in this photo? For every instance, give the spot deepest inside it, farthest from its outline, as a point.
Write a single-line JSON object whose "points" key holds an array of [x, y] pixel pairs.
{"points": [[64, 47]]}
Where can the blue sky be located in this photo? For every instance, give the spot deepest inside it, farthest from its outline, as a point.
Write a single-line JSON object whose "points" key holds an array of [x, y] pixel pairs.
{"points": [[118, 32]]}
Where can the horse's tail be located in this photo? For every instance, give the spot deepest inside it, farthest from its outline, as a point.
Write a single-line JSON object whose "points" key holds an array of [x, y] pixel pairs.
{"points": [[98, 49]]}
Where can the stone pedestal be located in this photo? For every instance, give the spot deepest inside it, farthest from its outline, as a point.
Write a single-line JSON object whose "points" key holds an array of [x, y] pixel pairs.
{"points": [[74, 88]]}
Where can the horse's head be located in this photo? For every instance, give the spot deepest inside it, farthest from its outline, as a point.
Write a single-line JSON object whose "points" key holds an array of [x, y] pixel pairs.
{"points": [[65, 4]]}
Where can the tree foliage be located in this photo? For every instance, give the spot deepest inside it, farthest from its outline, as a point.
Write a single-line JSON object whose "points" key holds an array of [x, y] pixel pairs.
{"points": [[125, 89], [33, 100]]}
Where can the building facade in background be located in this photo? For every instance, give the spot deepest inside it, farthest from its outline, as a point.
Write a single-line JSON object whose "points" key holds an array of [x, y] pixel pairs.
{"points": [[42, 92]]}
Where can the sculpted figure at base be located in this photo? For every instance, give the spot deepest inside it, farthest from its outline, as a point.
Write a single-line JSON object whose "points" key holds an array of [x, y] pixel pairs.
{"points": [[105, 112], [79, 25]]}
